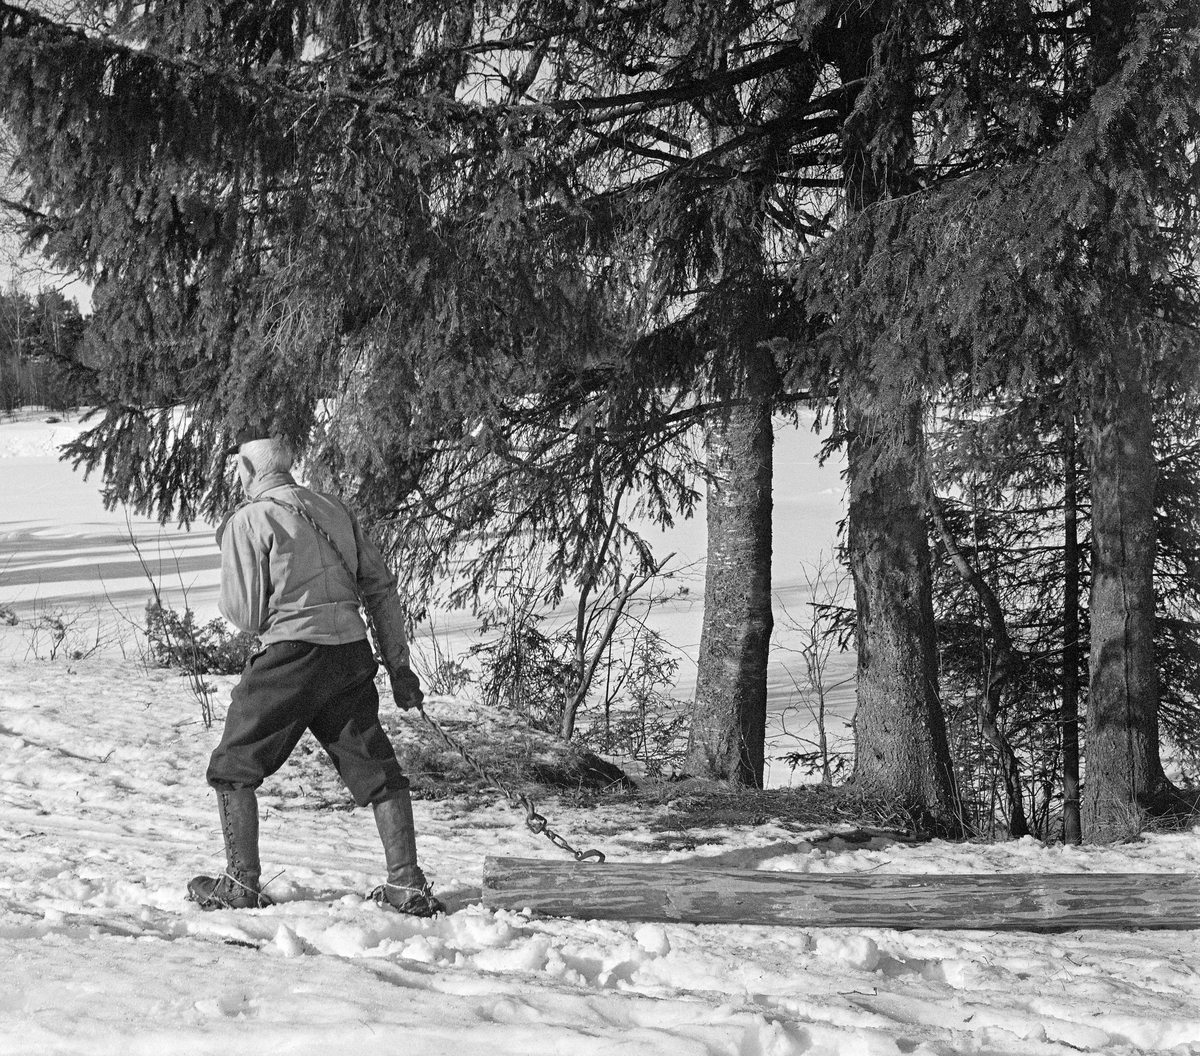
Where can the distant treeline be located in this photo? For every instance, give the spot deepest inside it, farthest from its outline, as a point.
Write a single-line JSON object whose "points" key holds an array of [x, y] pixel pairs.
{"points": [[42, 341]]}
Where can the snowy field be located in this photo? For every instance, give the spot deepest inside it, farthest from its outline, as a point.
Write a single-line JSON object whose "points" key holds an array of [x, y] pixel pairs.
{"points": [[104, 815]]}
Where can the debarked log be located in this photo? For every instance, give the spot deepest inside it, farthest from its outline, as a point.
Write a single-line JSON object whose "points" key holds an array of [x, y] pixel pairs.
{"points": [[696, 894]]}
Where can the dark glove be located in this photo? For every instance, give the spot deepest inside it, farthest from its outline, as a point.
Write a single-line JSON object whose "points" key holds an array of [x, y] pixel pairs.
{"points": [[406, 689]]}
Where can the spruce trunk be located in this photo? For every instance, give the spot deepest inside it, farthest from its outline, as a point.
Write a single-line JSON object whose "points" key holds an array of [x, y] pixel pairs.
{"points": [[1124, 779], [1072, 648], [730, 710], [901, 750]]}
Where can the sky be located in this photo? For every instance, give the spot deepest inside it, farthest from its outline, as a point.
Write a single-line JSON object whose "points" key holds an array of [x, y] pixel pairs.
{"points": [[30, 273]]}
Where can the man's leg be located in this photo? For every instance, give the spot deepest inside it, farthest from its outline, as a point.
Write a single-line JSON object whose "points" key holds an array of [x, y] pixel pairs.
{"points": [[348, 728], [269, 710], [239, 886], [268, 714], [406, 888]]}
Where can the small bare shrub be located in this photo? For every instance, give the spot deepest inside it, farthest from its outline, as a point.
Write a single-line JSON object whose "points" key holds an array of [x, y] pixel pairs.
{"points": [[645, 722], [59, 633], [526, 672]]}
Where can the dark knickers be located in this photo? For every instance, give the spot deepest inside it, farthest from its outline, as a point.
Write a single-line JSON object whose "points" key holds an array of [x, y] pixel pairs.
{"points": [[293, 686]]}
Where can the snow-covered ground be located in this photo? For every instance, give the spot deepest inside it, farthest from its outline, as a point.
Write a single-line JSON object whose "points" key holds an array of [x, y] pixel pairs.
{"points": [[104, 815]]}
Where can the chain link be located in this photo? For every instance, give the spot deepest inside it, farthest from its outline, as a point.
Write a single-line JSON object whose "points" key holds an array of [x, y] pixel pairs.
{"points": [[534, 822]]}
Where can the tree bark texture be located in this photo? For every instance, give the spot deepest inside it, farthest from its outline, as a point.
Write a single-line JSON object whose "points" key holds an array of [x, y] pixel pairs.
{"points": [[901, 750], [1072, 647], [1123, 778], [729, 714]]}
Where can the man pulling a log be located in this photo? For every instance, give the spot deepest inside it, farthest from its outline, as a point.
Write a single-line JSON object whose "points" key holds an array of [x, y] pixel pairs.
{"points": [[294, 567]]}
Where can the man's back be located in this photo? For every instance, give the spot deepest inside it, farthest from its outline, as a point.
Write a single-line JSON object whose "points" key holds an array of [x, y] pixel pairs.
{"points": [[280, 577]]}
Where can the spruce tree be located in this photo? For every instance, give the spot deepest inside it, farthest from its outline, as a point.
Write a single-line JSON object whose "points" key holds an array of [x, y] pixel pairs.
{"points": [[421, 239], [1068, 226], [901, 751]]}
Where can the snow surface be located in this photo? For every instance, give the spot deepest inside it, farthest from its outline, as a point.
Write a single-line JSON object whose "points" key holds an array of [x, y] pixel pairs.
{"points": [[62, 552], [104, 815]]}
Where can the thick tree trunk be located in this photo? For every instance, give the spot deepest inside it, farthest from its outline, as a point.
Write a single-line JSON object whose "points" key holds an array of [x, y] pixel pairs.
{"points": [[729, 716], [901, 749], [730, 711], [1072, 648], [1124, 778]]}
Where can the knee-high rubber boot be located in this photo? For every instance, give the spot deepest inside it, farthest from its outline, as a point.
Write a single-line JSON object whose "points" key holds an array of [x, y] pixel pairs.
{"points": [[406, 889], [237, 887]]}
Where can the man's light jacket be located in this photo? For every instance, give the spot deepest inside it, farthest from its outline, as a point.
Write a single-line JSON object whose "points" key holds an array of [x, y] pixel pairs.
{"points": [[281, 580]]}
